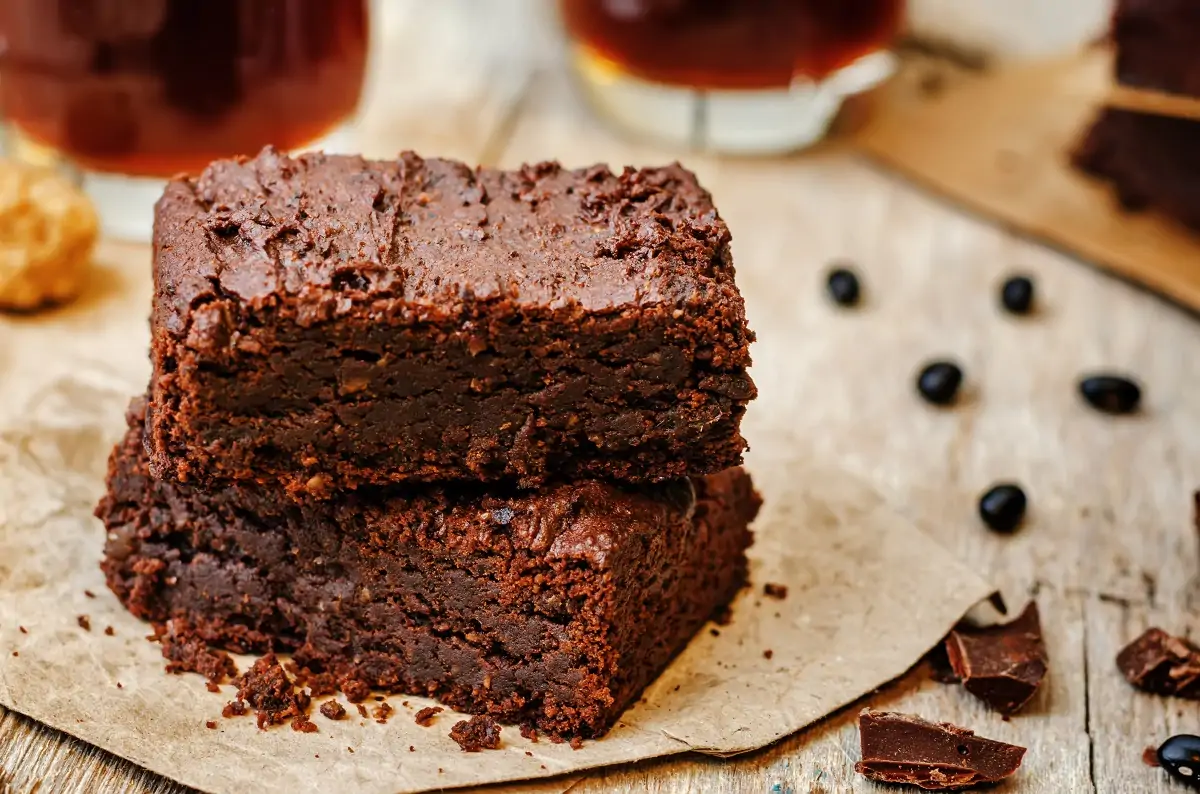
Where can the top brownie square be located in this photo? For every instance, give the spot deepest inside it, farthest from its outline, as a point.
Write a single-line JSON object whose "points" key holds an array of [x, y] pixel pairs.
{"points": [[326, 322], [1158, 45]]}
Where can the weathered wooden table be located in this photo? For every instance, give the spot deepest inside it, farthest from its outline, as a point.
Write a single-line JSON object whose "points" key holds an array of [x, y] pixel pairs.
{"points": [[1109, 547]]}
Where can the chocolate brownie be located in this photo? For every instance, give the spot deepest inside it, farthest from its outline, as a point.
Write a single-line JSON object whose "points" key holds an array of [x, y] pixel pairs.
{"points": [[1158, 45], [328, 321], [553, 608], [1152, 161]]}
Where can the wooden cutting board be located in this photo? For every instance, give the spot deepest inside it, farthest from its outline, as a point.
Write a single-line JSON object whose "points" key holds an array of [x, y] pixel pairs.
{"points": [[998, 144]]}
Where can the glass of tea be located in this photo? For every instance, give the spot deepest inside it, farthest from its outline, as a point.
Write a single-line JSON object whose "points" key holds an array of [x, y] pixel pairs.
{"points": [[737, 76], [126, 93]]}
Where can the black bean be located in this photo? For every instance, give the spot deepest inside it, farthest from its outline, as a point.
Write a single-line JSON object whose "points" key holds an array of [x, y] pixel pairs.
{"points": [[843, 286], [938, 382], [1180, 756], [1002, 507], [1017, 294], [1112, 394]]}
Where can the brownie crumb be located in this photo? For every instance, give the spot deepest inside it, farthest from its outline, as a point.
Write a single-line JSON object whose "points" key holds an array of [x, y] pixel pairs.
{"points": [[108, 631], [333, 710], [355, 690], [379, 698], [319, 684], [120, 685], [772, 590], [529, 754], [768, 653], [349, 749], [302, 724], [425, 716], [23, 630], [266, 687], [89, 594], [1150, 756], [529, 732], [15, 653], [382, 712], [211, 686], [576, 743], [715, 632], [234, 708], [412, 749], [362, 710], [481, 732], [212, 726], [84, 622], [404, 703], [723, 616], [187, 652], [554, 739]]}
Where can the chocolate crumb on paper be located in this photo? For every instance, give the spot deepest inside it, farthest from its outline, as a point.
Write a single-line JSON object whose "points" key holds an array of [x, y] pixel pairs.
{"points": [[382, 712], [187, 652], [362, 711], [108, 631], [212, 726], [89, 594], [234, 708], [529, 732], [425, 716], [481, 732], [1001, 665], [266, 687], [1160, 663], [332, 709], [907, 749], [772, 590], [576, 743], [84, 622]]}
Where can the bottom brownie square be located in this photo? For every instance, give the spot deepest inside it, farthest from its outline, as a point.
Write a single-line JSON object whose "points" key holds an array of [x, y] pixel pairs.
{"points": [[553, 608], [1152, 161]]}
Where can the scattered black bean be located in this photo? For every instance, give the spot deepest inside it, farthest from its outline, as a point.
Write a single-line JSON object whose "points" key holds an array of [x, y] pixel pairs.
{"points": [[1002, 507], [843, 286], [1180, 756], [1017, 294], [1111, 394], [939, 381]]}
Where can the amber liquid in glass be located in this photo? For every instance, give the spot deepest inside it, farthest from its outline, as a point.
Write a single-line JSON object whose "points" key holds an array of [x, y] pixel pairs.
{"points": [[732, 44], [156, 87]]}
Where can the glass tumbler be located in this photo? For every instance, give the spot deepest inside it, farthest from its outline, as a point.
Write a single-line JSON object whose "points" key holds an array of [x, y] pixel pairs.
{"points": [[126, 93], [736, 76]]}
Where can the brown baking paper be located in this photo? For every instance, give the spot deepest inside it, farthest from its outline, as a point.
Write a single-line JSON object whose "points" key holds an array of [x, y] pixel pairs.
{"points": [[868, 594], [999, 143]]}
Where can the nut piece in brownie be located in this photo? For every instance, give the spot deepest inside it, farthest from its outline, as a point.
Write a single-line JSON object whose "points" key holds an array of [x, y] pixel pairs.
{"points": [[552, 608], [1152, 161], [1156, 44], [327, 321]]}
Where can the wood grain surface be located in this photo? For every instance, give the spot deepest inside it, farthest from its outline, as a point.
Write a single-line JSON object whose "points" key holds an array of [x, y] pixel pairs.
{"points": [[1109, 546]]}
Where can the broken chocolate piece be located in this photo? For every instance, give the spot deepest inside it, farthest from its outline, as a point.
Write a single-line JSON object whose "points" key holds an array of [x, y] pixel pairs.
{"points": [[1001, 665], [904, 748], [1160, 663]]}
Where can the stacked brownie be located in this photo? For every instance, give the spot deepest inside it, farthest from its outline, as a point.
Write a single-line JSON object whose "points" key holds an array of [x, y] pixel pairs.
{"points": [[465, 433], [1152, 160]]}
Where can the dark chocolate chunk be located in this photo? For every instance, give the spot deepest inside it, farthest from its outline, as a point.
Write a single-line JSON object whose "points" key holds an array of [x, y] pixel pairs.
{"points": [[1180, 756], [1001, 665], [1017, 294], [1002, 507], [904, 748], [938, 382], [1159, 663], [1112, 394]]}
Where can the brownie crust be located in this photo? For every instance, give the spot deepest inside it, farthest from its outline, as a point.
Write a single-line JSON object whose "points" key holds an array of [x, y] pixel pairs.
{"points": [[553, 609], [326, 322], [1151, 161]]}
